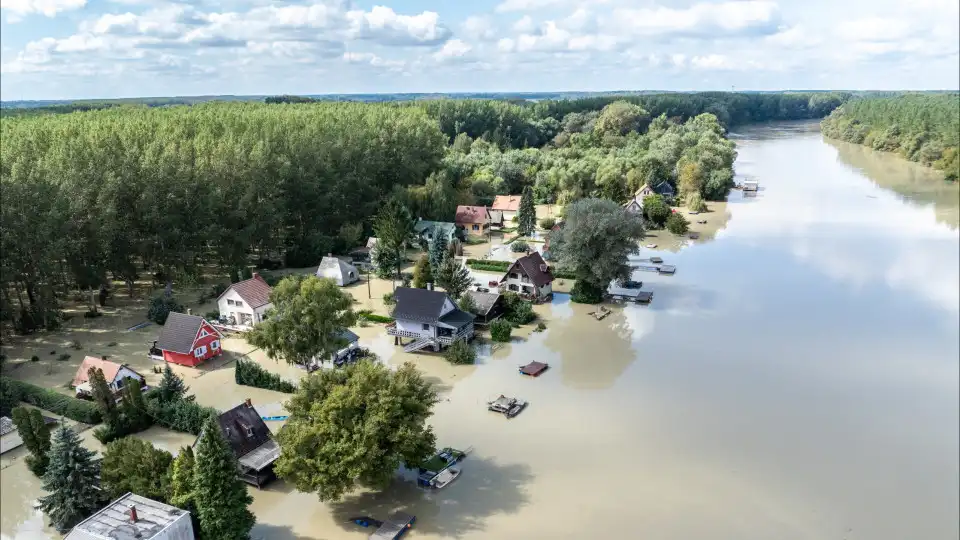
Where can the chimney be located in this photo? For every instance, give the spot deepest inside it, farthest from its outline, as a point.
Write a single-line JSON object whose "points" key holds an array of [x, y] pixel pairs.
{"points": [[429, 285], [329, 254], [189, 311], [543, 268], [133, 514], [255, 275], [248, 402]]}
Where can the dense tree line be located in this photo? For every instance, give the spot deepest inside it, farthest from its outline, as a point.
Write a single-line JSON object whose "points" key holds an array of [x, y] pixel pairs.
{"points": [[920, 127]]}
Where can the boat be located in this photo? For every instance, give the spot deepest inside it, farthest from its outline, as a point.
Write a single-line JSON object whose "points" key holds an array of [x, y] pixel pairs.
{"points": [[651, 246], [534, 369], [508, 407], [394, 527], [446, 476]]}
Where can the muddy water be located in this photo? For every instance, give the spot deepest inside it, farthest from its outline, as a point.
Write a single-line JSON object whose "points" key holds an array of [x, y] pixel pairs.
{"points": [[797, 379]]}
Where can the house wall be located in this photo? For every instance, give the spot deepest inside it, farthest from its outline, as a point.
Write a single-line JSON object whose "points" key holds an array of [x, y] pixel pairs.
{"points": [[508, 216], [124, 373], [468, 228], [634, 207], [234, 311], [211, 343], [525, 286], [411, 326]]}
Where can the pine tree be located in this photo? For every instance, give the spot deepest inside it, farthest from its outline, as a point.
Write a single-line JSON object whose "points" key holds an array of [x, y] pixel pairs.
{"points": [[438, 249], [72, 481], [36, 437], [526, 214], [105, 399], [134, 409], [171, 386], [220, 496], [181, 485], [454, 277], [422, 273]]}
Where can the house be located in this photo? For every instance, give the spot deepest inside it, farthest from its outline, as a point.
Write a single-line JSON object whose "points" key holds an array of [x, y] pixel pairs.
{"points": [[751, 185], [117, 375], [245, 303], [489, 306], [430, 318], [188, 340], [335, 268], [424, 230], [496, 218], [251, 441], [662, 188], [132, 517], [530, 277], [349, 352], [507, 205], [10, 437], [474, 220], [362, 256], [635, 205]]}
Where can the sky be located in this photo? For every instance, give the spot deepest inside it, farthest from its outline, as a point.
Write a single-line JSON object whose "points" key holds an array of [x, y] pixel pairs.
{"points": [[72, 49]]}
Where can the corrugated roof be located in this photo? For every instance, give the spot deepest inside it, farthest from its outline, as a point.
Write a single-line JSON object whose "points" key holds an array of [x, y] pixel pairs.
{"points": [[179, 332], [254, 291], [113, 521], [110, 369], [510, 203]]}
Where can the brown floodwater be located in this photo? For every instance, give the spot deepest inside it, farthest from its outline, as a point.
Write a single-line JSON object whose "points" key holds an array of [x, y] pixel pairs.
{"points": [[796, 379]]}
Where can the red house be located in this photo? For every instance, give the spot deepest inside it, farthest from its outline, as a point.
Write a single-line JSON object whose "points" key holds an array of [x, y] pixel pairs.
{"points": [[188, 340]]}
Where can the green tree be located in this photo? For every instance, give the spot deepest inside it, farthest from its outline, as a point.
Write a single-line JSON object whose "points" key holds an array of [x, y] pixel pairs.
{"points": [[72, 481], [656, 210], [677, 224], [171, 386], [695, 203], [133, 465], [547, 223], [160, 308], [9, 397], [220, 496], [526, 214], [500, 330], [454, 277], [36, 437], [394, 229], [355, 425], [422, 273], [595, 241], [182, 484], [134, 409], [438, 249], [620, 118], [350, 234], [105, 400], [467, 303], [460, 352], [308, 316]]}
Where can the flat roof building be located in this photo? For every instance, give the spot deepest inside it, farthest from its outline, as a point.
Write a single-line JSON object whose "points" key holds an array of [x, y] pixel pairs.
{"points": [[133, 517]]}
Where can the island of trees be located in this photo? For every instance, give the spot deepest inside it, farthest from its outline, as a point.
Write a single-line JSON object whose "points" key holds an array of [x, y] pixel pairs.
{"points": [[920, 127]]}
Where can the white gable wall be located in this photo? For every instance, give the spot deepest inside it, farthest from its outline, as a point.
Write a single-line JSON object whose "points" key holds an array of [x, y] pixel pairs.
{"points": [[227, 310], [124, 373]]}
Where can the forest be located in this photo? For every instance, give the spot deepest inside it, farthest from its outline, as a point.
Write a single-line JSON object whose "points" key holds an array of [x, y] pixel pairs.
{"points": [[130, 191], [920, 127]]}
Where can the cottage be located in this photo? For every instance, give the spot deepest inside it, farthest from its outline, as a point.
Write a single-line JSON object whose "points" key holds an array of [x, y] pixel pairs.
{"points": [[489, 306], [132, 517], [530, 277], [474, 220], [335, 268], [507, 205], [188, 340], [245, 303], [10, 437], [251, 441], [430, 318], [424, 230], [117, 375], [362, 256], [496, 218], [349, 351]]}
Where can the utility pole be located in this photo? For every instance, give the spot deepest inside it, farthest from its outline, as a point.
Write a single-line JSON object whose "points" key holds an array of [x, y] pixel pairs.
{"points": [[369, 294]]}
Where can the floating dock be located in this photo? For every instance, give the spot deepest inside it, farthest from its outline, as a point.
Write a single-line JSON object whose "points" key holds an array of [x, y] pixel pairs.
{"points": [[664, 269], [534, 369], [627, 295]]}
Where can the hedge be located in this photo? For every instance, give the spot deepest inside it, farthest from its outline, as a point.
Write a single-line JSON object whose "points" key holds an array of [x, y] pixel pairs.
{"points": [[250, 373], [373, 317], [55, 402], [181, 415], [488, 266]]}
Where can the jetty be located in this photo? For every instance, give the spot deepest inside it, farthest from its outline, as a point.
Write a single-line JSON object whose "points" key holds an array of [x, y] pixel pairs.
{"points": [[631, 295], [663, 269]]}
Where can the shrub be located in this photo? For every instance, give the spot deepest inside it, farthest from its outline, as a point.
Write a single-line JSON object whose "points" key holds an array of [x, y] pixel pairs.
{"points": [[488, 266], [212, 315], [460, 353], [519, 246], [90, 314], [55, 402], [540, 327], [76, 345], [250, 373], [562, 274], [218, 289], [160, 308], [63, 357], [373, 317], [677, 224], [500, 330], [388, 299], [695, 203], [112, 344], [181, 415], [547, 223], [586, 293], [35, 358], [517, 310]]}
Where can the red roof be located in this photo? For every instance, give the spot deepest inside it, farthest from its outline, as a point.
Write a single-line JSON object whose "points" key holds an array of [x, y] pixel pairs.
{"points": [[254, 291], [510, 203], [110, 369], [472, 214]]}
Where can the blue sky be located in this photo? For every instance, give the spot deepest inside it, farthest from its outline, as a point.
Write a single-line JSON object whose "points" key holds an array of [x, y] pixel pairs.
{"points": [[61, 49]]}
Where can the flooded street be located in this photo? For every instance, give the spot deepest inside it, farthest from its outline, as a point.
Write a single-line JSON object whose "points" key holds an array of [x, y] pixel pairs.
{"points": [[797, 379]]}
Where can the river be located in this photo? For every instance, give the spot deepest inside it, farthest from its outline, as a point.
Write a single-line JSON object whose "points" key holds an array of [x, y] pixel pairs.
{"points": [[797, 379]]}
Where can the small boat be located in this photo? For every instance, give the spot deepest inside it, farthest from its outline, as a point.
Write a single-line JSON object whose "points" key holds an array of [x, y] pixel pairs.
{"points": [[693, 213], [508, 407], [534, 369], [656, 260], [445, 477], [651, 246]]}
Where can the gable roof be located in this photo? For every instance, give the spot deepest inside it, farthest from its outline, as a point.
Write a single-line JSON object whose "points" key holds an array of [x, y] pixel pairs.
{"points": [[254, 291], [664, 188], [533, 266], [234, 424], [179, 332], [113, 521], [472, 214], [348, 336], [510, 203], [331, 266], [445, 227], [484, 301], [6, 425], [418, 305], [110, 369]]}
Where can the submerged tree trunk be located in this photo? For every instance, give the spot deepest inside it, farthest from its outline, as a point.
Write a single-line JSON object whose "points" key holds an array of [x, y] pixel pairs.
{"points": [[129, 283], [93, 300]]}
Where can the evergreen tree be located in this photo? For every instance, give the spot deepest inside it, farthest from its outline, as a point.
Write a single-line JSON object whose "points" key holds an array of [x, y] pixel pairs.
{"points": [[135, 416], [394, 228], [72, 481], [454, 277], [438, 249], [36, 437], [422, 273], [134, 465], [526, 214], [105, 399], [181, 485], [171, 386], [220, 496]]}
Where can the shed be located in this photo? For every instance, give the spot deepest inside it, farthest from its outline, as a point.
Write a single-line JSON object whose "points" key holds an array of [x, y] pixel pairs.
{"points": [[489, 305], [132, 517], [338, 270], [251, 441]]}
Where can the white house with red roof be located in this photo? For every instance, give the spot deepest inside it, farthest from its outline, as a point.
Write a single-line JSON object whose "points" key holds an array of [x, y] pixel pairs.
{"points": [[507, 205], [245, 303], [117, 375]]}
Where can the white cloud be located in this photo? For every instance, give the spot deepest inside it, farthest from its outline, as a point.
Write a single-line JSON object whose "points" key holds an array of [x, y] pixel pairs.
{"points": [[479, 27], [524, 24], [750, 17], [453, 49], [526, 5], [383, 24], [20, 8], [373, 60]]}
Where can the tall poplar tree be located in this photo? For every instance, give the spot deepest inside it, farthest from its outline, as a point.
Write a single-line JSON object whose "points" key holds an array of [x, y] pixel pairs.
{"points": [[220, 496], [182, 485], [72, 481], [105, 399], [527, 213], [36, 437]]}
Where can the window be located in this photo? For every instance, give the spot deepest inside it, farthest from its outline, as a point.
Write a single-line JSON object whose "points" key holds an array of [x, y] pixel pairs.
{"points": [[203, 333], [200, 351], [249, 431], [238, 303], [514, 276], [119, 383], [476, 227], [214, 345], [426, 326], [229, 302]]}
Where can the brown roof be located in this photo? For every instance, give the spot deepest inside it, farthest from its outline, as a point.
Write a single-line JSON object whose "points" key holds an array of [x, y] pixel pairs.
{"points": [[507, 202], [110, 369], [254, 291], [472, 214], [534, 267]]}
